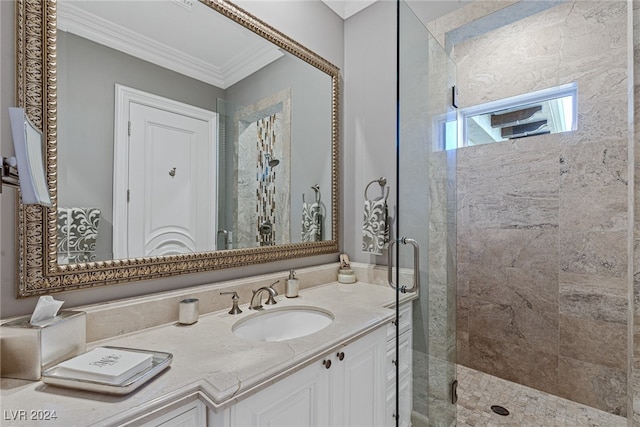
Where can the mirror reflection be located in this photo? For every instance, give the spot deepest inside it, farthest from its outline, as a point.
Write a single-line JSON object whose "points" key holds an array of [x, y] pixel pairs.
{"points": [[206, 137]]}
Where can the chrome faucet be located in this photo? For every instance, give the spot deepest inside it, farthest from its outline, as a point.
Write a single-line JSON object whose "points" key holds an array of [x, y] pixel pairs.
{"points": [[256, 299]]}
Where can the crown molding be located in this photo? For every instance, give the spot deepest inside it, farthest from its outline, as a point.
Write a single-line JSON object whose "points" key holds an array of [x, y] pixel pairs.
{"points": [[245, 62], [347, 8]]}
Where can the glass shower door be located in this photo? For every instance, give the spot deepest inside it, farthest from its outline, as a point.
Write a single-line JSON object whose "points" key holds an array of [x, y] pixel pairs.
{"points": [[427, 214], [227, 167]]}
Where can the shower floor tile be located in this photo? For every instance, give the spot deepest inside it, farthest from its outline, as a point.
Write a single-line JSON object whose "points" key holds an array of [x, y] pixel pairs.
{"points": [[478, 391]]}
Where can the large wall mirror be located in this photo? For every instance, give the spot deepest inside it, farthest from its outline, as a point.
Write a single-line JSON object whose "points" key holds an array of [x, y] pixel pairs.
{"points": [[210, 146]]}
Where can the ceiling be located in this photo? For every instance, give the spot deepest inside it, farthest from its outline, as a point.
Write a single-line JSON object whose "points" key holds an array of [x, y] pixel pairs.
{"points": [[184, 36]]}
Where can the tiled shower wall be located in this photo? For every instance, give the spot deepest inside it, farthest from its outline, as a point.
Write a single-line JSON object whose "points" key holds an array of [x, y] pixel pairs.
{"points": [[543, 221], [634, 349], [263, 193]]}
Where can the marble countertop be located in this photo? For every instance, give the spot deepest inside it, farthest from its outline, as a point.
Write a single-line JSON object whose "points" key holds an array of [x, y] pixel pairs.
{"points": [[209, 360]]}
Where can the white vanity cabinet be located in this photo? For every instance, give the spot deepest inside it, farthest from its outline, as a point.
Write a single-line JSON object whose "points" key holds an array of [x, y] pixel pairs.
{"points": [[358, 382], [193, 414], [354, 385], [345, 388], [404, 359]]}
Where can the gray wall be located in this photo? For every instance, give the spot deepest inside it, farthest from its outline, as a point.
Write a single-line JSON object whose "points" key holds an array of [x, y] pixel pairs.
{"points": [[311, 23], [7, 199], [87, 75], [370, 117], [370, 111], [310, 128]]}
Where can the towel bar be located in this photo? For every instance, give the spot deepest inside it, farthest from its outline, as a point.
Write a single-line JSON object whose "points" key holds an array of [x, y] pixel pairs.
{"points": [[382, 181], [315, 188]]}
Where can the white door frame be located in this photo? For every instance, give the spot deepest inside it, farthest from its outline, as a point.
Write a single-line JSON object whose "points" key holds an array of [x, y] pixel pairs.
{"points": [[124, 96]]}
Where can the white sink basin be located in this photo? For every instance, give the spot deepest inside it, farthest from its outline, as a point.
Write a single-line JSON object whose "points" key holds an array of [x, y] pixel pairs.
{"points": [[279, 324]]}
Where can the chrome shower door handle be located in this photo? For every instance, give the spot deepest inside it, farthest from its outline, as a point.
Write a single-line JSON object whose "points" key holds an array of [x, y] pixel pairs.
{"points": [[225, 241], [416, 265]]}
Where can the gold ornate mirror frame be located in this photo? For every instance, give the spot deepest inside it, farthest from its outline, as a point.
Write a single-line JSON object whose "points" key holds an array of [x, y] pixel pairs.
{"points": [[38, 269]]}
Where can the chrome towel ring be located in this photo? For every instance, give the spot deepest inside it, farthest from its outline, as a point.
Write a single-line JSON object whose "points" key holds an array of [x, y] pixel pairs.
{"points": [[382, 181]]}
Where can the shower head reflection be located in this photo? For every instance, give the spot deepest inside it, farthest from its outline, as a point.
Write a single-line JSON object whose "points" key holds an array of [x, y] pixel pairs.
{"points": [[272, 162]]}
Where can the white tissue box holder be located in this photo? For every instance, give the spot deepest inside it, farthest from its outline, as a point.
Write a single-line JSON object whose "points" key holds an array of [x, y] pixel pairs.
{"points": [[28, 350]]}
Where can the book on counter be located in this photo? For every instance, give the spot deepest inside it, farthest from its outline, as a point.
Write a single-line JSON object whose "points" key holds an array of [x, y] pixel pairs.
{"points": [[108, 365]]}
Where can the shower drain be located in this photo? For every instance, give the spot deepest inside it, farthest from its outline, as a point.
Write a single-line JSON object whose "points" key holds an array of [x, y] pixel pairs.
{"points": [[500, 410]]}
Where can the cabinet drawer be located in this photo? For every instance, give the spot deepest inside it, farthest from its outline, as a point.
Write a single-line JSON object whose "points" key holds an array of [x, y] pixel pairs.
{"points": [[404, 356], [405, 321], [405, 402]]}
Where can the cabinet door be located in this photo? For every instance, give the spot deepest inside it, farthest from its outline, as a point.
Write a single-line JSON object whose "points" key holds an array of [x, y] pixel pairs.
{"points": [[405, 378], [300, 400], [358, 382]]}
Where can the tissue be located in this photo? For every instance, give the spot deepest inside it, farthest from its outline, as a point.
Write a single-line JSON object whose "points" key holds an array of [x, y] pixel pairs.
{"points": [[46, 309], [30, 348]]}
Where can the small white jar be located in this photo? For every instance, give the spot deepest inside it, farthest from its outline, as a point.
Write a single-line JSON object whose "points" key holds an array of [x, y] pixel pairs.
{"points": [[346, 276]]}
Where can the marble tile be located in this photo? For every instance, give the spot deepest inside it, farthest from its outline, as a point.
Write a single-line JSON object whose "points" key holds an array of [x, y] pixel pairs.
{"points": [[636, 198], [514, 305], [478, 154], [593, 297], [635, 398], [609, 126], [462, 355], [635, 351], [441, 373], [596, 252], [594, 76], [442, 302], [420, 384], [636, 266], [462, 313], [464, 270], [592, 208], [508, 185], [510, 166], [478, 391], [595, 165], [535, 290], [521, 248], [514, 363], [438, 257], [636, 275], [516, 325], [602, 23], [520, 210], [594, 385], [569, 190], [593, 341]]}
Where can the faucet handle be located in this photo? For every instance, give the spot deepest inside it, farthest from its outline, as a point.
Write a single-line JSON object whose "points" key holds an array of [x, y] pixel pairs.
{"points": [[271, 300], [274, 289], [234, 299]]}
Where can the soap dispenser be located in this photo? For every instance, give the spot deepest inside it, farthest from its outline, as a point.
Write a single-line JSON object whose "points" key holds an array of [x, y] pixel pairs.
{"points": [[292, 285]]}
